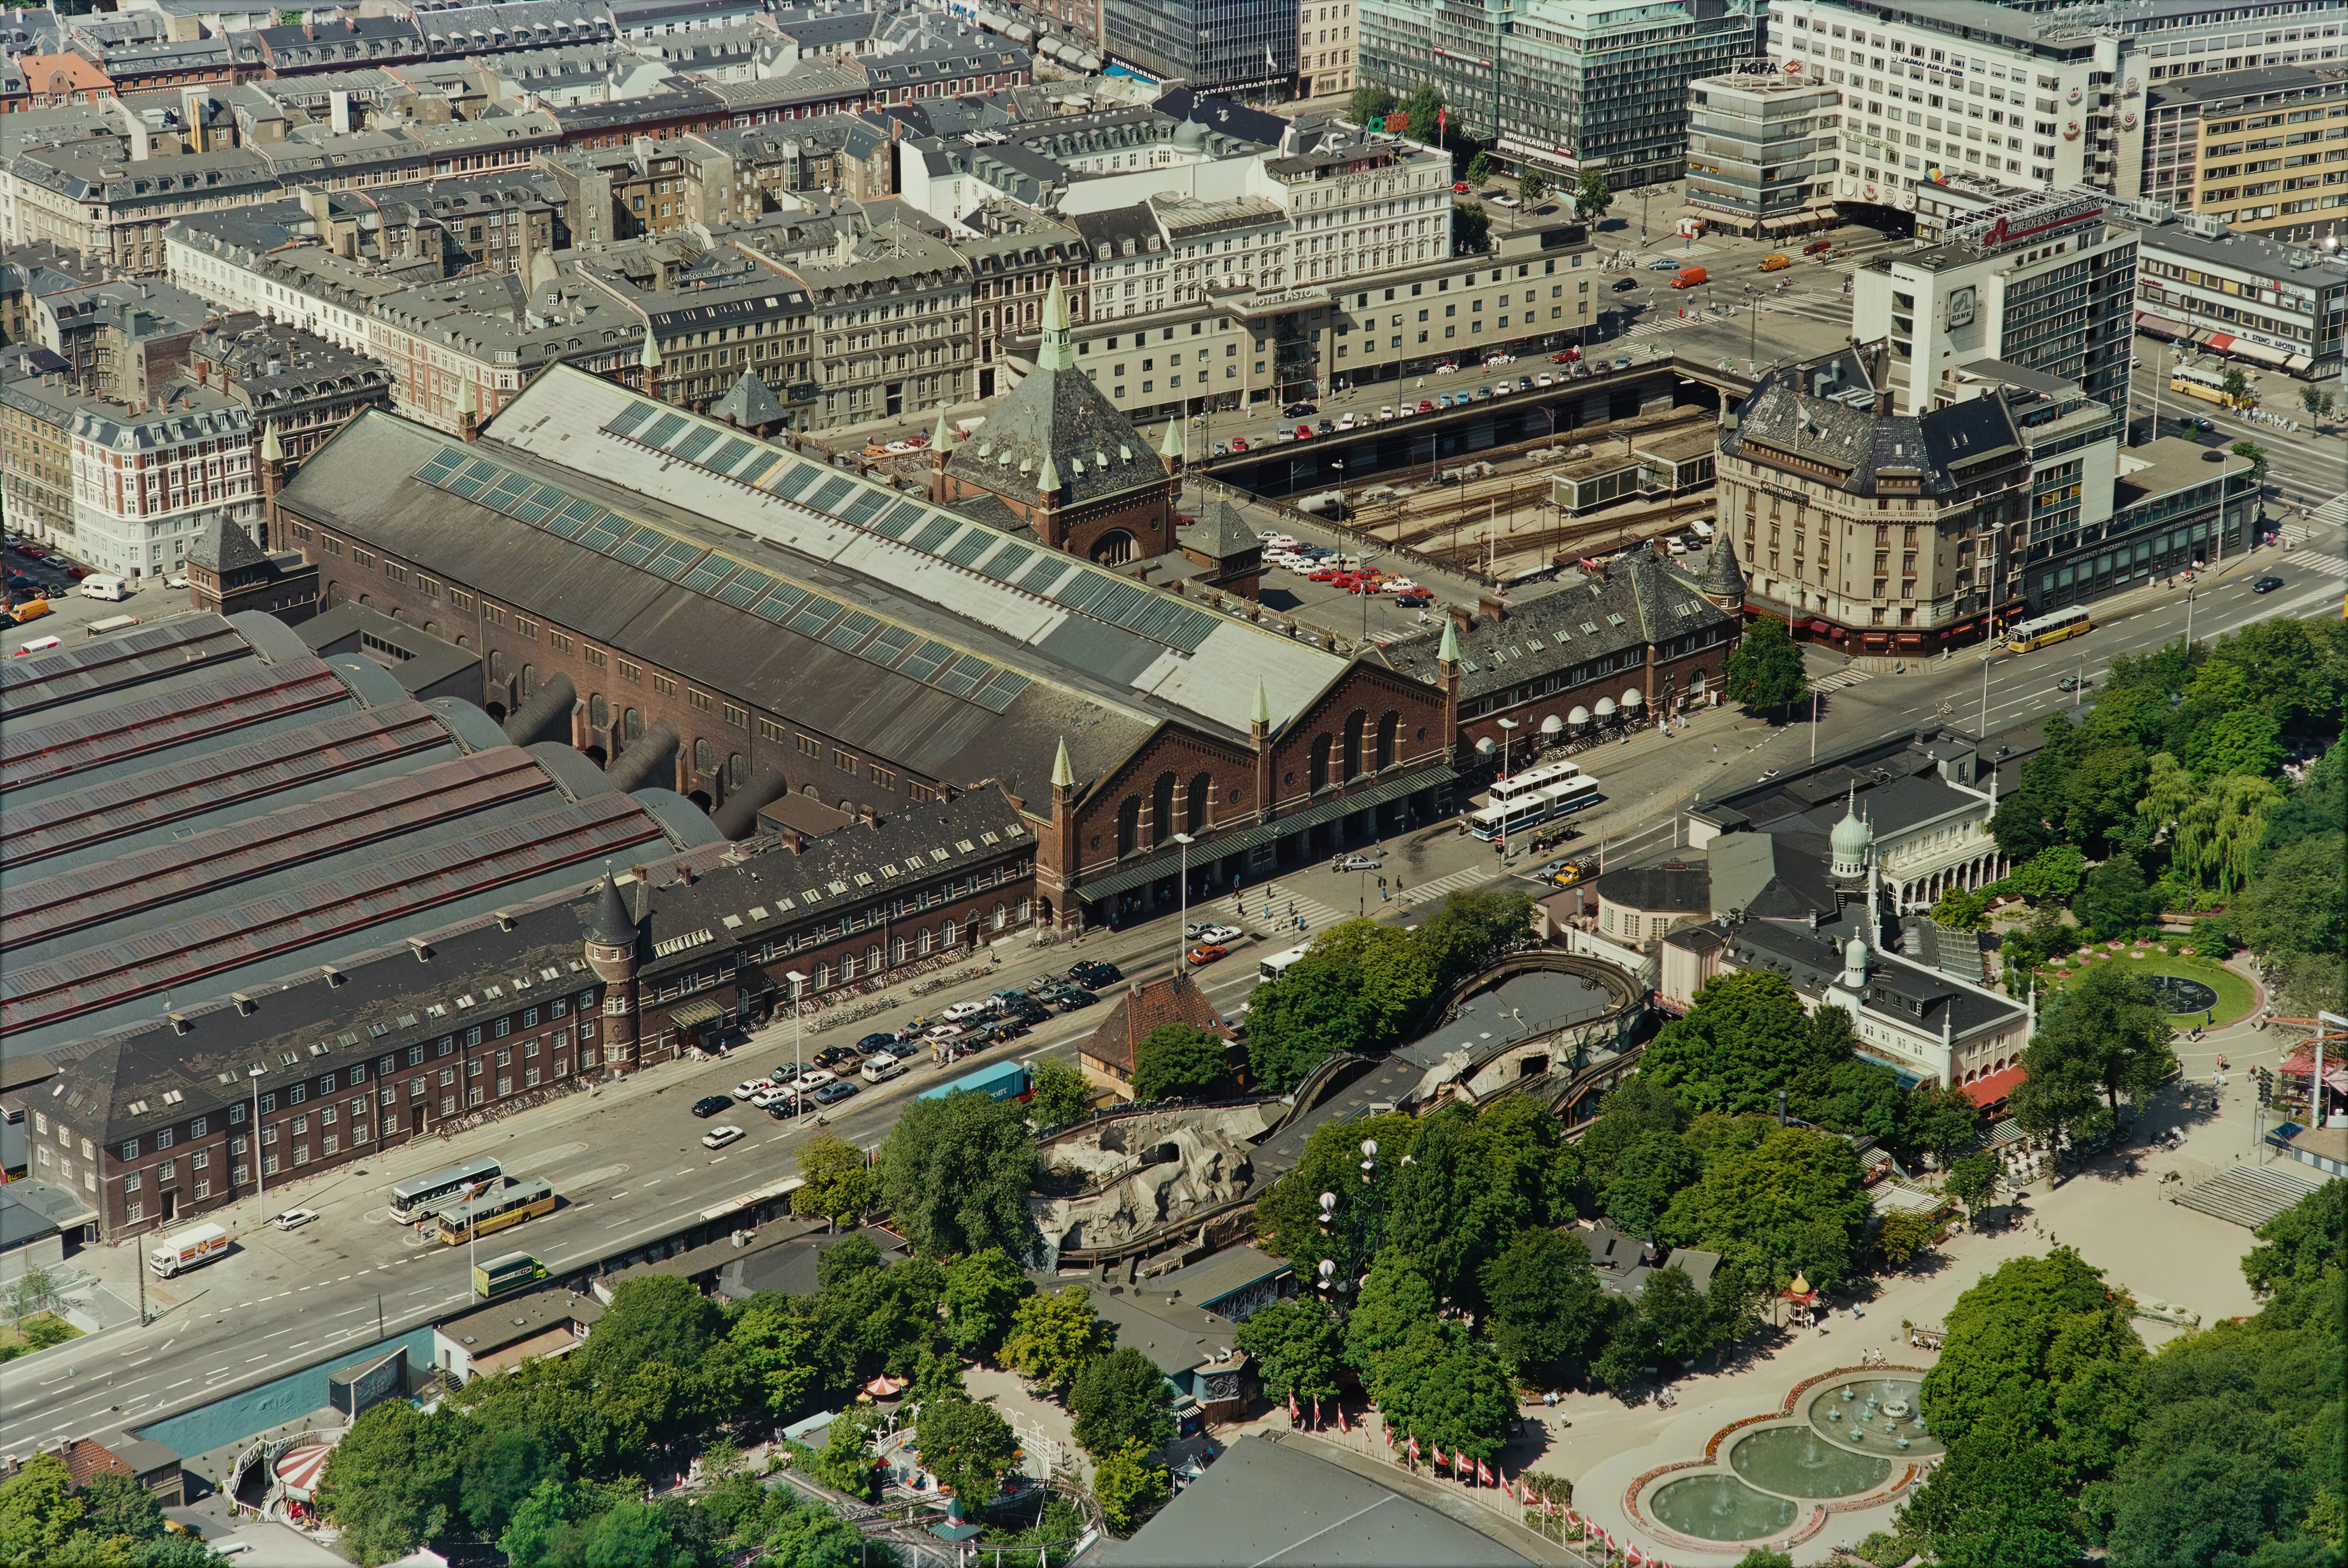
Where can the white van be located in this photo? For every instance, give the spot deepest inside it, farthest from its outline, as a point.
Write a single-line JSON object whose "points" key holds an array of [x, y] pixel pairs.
{"points": [[105, 585], [1701, 528]]}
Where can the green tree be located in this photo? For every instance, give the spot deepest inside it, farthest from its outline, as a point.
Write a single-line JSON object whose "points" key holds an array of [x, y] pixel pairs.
{"points": [[1683, 1323], [2213, 938], [117, 1508], [1591, 195], [966, 1445], [1177, 1061], [643, 1536], [2299, 900], [1369, 108], [1396, 1300], [1473, 1180], [391, 1484], [549, 1513], [770, 1345], [1794, 1201], [1644, 1179], [1548, 1312], [1425, 106], [955, 1172], [1902, 1234], [983, 1291], [2109, 1027], [1446, 1385], [865, 1318], [1531, 188], [2253, 451], [2115, 900], [1765, 671], [2021, 1345], [1644, 1104], [652, 1318], [1469, 930], [500, 1471], [1287, 1216], [845, 1462], [36, 1289], [1988, 1505], [1479, 169], [39, 1512], [2305, 1243], [1055, 1336], [2246, 740], [1356, 990], [2317, 402], [2237, 389], [1471, 228], [1942, 1119], [2053, 874], [1129, 1488], [840, 1184], [2058, 1100], [1972, 1181], [1296, 1347], [1060, 1094], [1962, 909], [1121, 1398]]}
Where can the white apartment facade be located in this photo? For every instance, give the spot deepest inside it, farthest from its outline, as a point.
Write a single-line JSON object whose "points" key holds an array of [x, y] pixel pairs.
{"points": [[1957, 84], [1324, 48], [1363, 208], [146, 484], [2042, 280]]}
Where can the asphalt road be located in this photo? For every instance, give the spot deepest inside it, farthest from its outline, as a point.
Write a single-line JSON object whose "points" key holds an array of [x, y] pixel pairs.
{"points": [[628, 1160]]}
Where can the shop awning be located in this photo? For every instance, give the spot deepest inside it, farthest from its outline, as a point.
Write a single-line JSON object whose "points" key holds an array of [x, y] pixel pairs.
{"points": [[2221, 342], [1165, 863], [2297, 363], [693, 1015], [2257, 351], [1993, 1090], [1820, 628], [2160, 326]]}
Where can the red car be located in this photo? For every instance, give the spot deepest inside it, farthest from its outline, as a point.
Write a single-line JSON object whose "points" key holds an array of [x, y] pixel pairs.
{"points": [[32, 552], [1568, 357], [1426, 405], [1207, 952], [1818, 247], [1459, 188], [1239, 444], [76, 572], [1304, 433]]}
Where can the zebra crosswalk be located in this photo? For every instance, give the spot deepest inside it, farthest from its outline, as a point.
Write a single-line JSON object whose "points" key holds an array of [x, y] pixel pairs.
{"points": [[1840, 678], [1277, 915], [2334, 510], [2322, 561]]}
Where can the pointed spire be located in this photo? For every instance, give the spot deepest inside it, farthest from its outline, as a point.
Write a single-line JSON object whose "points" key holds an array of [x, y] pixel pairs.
{"points": [[1048, 482], [1063, 775], [941, 439], [270, 452], [614, 924], [1057, 353], [1172, 446], [650, 359], [1448, 653], [1261, 712]]}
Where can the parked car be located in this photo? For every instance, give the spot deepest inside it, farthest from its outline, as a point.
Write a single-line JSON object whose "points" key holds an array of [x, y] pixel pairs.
{"points": [[293, 1219], [1328, 427], [814, 1078], [835, 1056], [1222, 934], [1299, 410], [834, 1092], [1207, 953], [971, 1009], [719, 1137], [1239, 444], [1304, 433], [1418, 599], [882, 1069], [710, 1105], [1095, 972], [1459, 188]]}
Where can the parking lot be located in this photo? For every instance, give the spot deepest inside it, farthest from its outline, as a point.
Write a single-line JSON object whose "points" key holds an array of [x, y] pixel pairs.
{"points": [[70, 614]]}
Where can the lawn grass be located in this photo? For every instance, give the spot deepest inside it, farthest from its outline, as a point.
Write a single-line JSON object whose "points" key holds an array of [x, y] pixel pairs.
{"points": [[38, 1332], [2236, 999]]}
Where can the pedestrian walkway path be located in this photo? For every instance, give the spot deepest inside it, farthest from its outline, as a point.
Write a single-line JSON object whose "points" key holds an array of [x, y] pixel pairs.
{"points": [[2334, 510], [1279, 915], [2322, 561]]}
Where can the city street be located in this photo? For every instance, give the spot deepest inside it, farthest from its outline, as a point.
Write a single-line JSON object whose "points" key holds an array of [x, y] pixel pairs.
{"points": [[627, 1159]]}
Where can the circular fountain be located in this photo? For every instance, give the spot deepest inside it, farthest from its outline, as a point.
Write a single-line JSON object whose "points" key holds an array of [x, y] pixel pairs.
{"points": [[1795, 1462], [1717, 1506], [1873, 1413]]}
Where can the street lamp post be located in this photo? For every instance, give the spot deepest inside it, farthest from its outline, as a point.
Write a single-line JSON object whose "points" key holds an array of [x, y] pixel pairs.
{"points": [[1181, 934], [1984, 667], [1367, 558], [1507, 727], [798, 1030]]}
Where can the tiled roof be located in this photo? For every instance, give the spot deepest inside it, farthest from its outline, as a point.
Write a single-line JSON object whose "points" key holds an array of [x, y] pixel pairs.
{"points": [[1144, 1009]]}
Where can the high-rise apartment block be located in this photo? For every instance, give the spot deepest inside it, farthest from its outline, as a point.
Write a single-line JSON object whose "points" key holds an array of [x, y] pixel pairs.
{"points": [[1763, 150]]}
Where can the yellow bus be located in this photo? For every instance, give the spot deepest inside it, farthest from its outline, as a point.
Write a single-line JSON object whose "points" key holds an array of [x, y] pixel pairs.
{"points": [[497, 1207], [2209, 386], [2023, 636]]}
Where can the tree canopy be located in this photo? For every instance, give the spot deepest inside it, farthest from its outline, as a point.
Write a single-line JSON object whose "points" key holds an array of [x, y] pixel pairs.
{"points": [[1766, 669], [1177, 1061], [955, 1174]]}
